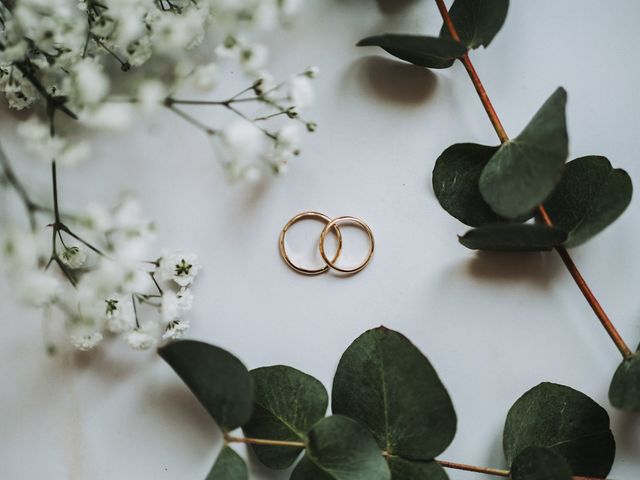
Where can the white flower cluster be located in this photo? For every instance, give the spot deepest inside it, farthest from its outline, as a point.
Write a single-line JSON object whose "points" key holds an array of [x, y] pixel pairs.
{"points": [[108, 291], [62, 52]]}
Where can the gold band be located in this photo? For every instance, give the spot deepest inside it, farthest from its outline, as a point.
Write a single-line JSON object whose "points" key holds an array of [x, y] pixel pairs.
{"points": [[333, 225], [317, 216]]}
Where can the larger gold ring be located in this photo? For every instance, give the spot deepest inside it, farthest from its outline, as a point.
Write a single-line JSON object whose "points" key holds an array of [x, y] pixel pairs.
{"points": [[333, 224], [296, 219]]}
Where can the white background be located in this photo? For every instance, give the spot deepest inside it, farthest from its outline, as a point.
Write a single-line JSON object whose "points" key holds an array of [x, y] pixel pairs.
{"points": [[492, 325]]}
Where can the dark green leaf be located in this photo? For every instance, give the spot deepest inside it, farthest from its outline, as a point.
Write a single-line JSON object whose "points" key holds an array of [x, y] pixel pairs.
{"points": [[525, 170], [386, 383], [218, 379], [287, 404], [341, 449], [513, 237], [590, 196], [624, 392], [565, 421], [402, 469], [477, 21], [229, 466], [455, 183], [430, 52], [539, 463]]}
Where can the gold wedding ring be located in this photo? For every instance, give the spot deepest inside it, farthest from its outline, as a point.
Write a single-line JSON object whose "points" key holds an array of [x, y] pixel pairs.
{"points": [[332, 227], [334, 224], [283, 251]]}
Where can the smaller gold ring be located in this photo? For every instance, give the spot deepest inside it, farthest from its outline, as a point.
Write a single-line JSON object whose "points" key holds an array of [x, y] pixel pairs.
{"points": [[334, 224], [296, 219]]}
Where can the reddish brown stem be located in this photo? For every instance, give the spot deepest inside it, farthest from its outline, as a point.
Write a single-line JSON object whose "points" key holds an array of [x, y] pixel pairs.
{"points": [[502, 135], [470, 468], [490, 471]]}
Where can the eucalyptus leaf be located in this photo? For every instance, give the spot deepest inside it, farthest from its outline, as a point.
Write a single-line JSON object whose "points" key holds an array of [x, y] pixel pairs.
{"points": [[590, 196], [624, 392], [526, 169], [513, 237], [430, 52], [339, 448], [477, 21], [229, 466], [287, 404], [539, 463], [387, 384], [402, 469], [219, 380], [566, 421], [455, 183]]}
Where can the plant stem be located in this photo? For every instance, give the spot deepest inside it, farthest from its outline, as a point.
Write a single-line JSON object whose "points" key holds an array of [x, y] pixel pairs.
{"points": [[470, 468], [502, 135], [491, 471], [10, 176], [258, 441]]}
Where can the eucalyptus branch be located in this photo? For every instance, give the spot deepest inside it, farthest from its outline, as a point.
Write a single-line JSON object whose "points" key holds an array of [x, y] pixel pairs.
{"points": [[503, 136]]}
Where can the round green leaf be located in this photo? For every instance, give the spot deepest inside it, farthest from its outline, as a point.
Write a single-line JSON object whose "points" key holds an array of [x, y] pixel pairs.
{"points": [[477, 21], [339, 448], [590, 196], [565, 421], [539, 463], [525, 170], [513, 237], [455, 183], [218, 379], [430, 52], [228, 466], [287, 404], [387, 384], [624, 392], [402, 469]]}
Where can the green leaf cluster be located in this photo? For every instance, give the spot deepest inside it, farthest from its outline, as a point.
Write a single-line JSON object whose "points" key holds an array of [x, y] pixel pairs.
{"points": [[497, 189], [391, 417]]}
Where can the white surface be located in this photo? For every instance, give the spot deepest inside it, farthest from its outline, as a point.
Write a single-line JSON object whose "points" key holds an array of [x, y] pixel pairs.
{"points": [[493, 326]]}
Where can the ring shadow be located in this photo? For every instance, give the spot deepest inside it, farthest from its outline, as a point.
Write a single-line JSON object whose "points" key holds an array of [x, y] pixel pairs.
{"points": [[395, 81]]}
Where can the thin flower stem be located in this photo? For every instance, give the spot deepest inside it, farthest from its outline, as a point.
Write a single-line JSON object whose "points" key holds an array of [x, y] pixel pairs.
{"points": [[155, 282], [193, 121], [11, 177], [258, 441], [135, 310], [54, 182], [502, 135], [66, 230]]}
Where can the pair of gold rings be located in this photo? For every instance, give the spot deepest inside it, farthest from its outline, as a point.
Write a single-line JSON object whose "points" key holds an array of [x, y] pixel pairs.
{"points": [[331, 226]]}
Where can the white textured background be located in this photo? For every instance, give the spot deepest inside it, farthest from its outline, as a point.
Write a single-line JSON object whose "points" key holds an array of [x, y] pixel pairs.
{"points": [[493, 326]]}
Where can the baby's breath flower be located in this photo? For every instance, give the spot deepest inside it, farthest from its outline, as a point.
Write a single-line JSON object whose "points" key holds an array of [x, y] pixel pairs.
{"points": [[120, 314], [142, 338], [175, 329], [85, 341], [174, 305], [73, 256], [179, 266]]}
